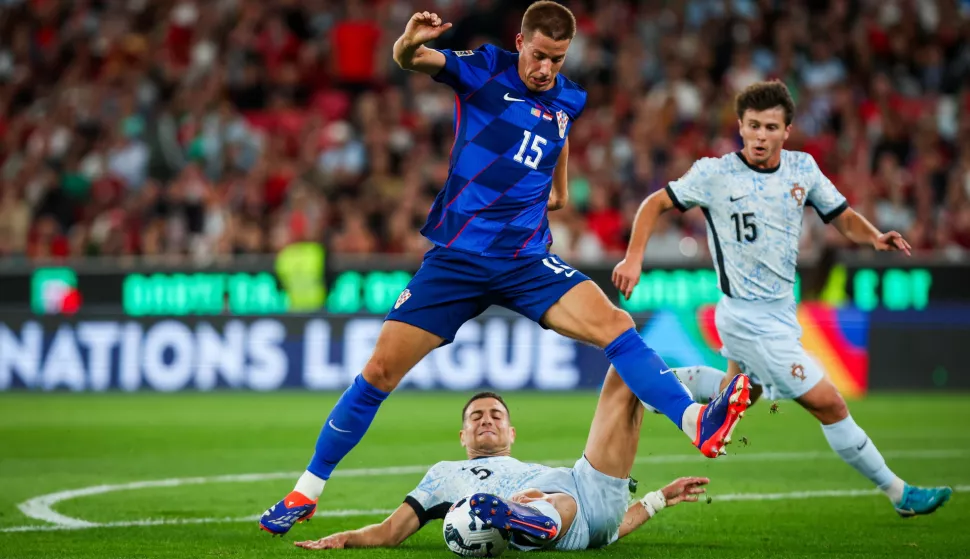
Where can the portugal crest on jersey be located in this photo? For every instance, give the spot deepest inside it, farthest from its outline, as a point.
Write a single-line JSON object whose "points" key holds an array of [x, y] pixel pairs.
{"points": [[562, 120], [798, 193]]}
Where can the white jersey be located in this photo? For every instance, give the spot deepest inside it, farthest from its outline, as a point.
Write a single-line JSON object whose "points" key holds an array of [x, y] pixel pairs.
{"points": [[446, 482], [754, 218]]}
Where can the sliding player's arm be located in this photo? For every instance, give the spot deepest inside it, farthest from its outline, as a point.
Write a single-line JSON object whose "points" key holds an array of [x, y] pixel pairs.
{"points": [[685, 489], [426, 502], [409, 50], [396, 528], [683, 194], [833, 208], [559, 194]]}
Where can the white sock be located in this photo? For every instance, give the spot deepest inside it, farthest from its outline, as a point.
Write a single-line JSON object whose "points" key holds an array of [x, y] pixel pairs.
{"points": [[689, 422], [852, 444], [649, 408], [702, 381], [310, 485], [894, 490]]}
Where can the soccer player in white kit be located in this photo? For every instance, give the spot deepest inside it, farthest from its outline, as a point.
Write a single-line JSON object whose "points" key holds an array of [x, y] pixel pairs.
{"points": [[587, 506], [753, 201]]}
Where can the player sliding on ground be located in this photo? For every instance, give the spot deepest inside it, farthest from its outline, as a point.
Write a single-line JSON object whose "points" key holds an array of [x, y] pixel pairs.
{"points": [[586, 506], [753, 201], [489, 225]]}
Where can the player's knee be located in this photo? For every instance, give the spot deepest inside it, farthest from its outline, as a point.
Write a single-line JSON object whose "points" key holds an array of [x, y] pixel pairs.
{"points": [[601, 325], [825, 403], [622, 319], [615, 322], [834, 411], [380, 375]]}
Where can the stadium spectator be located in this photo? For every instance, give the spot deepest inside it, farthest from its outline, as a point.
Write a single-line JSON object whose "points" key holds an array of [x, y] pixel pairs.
{"points": [[194, 130]]}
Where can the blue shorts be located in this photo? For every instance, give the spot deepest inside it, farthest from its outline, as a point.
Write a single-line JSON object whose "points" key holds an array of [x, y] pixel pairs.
{"points": [[453, 286]]}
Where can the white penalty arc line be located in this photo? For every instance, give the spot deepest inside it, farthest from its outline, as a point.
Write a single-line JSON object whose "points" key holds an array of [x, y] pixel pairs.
{"points": [[824, 493], [41, 508], [181, 521]]}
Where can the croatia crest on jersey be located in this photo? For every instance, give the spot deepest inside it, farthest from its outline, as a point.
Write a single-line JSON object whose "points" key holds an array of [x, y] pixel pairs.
{"points": [[405, 295], [562, 119]]}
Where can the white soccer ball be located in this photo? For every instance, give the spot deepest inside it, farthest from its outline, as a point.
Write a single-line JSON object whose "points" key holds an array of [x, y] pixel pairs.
{"points": [[468, 536]]}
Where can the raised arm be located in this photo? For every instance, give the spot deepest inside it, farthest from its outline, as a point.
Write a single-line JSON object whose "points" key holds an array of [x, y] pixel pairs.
{"points": [[409, 50], [626, 274], [833, 208], [857, 229], [559, 194], [685, 489], [396, 528]]}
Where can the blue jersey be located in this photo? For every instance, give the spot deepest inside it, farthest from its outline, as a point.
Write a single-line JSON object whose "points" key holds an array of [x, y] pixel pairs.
{"points": [[507, 142]]}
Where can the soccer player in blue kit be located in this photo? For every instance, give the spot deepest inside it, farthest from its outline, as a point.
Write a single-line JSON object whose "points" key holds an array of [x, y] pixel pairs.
{"points": [[490, 230]]}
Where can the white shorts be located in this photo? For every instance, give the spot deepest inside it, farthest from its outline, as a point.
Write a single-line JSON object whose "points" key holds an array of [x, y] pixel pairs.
{"points": [[764, 337], [601, 503]]}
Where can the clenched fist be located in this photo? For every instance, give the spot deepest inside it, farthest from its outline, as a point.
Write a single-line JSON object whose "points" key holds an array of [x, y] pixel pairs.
{"points": [[424, 27]]}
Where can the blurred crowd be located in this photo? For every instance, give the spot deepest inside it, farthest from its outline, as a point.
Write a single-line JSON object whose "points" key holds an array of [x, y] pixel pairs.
{"points": [[204, 129]]}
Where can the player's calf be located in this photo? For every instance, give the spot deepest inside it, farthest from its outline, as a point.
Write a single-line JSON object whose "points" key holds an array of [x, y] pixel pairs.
{"points": [[854, 446], [585, 313]]}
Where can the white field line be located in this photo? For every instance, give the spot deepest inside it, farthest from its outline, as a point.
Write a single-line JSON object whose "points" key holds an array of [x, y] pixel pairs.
{"points": [[41, 508]]}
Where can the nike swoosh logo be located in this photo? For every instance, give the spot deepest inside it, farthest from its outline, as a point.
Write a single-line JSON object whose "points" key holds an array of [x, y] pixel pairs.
{"points": [[335, 428], [733, 199], [507, 98], [863, 445], [570, 273], [665, 371]]}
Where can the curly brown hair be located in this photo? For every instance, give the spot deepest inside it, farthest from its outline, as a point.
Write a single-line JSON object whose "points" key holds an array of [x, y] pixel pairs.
{"points": [[762, 96]]}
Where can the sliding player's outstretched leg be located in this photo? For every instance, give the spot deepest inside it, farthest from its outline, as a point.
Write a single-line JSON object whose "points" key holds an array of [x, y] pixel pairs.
{"points": [[399, 347], [584, 313]]}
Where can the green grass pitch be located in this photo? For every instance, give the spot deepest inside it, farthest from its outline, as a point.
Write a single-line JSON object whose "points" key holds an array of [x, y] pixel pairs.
{"points": [[762, 501]]}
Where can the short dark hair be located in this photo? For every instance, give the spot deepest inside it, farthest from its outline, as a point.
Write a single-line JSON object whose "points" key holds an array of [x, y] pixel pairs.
{"points": [[762, 96], [483, 395], [549, 18]]}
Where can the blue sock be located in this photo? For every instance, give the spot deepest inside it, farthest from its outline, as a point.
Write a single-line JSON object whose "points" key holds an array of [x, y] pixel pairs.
{"points": [[345, 426], [640, 368]]}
